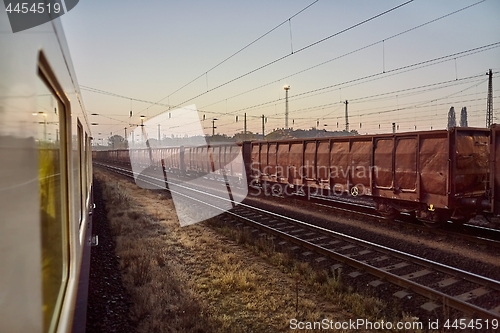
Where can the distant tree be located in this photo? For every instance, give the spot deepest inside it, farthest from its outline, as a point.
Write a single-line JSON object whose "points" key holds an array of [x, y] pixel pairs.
{"points": [[218, 138], [239, 137], [153, 143], [117, 142], [452, 121], [463, 117]]}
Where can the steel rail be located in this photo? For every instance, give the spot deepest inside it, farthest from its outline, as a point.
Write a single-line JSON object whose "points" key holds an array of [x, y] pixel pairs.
{"points": [[425, 291]]}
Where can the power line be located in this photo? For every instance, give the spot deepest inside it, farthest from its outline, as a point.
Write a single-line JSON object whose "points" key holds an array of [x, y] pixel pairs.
{"points": [[371, 96], [377, 76], [351, 52], [235, 53], [218, 113], [103, 92], [385, 111], [413, 105], [299, 50], [438, 60]]}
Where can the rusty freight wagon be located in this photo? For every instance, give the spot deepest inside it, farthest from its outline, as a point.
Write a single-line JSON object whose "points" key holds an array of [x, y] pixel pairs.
{"points": [[119, 156], [435, 175], [172, 158], [219, 160]]}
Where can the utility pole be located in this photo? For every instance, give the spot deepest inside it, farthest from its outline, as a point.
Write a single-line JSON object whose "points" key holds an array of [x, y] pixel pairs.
{"points": [[286, 105], [125, 133], [263, 136], [142, 128], [489, 103], [158, 133], [213, 126], [245, 127], [346, 117]]}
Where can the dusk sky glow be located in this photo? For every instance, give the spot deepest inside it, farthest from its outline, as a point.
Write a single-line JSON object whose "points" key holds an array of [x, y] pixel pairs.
{"points": [[399, 67]]}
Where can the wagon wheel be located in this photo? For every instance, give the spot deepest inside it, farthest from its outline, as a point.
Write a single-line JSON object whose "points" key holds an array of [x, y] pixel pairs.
{"points": [[431, 224], [390, 213], [434, 220], [387, 211]]}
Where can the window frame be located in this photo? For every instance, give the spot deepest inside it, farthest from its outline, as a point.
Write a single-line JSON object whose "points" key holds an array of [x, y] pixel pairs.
{"points": [[48, 77]]}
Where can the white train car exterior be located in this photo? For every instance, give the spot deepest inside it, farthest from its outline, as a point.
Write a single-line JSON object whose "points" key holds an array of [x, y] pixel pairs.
{"points": [[45, 183]]}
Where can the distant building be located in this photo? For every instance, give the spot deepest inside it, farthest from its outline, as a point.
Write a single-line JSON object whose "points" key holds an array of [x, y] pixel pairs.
{"points": [[452, 120], [463, 117]]}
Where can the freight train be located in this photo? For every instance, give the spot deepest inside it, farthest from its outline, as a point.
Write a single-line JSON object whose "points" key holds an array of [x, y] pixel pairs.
{"points": [[45, 184], [436, 176]]}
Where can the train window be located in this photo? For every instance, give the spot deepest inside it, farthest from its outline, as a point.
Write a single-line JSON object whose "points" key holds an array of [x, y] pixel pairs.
{"points": [[86, 164], [79, 184], [51, 117]]}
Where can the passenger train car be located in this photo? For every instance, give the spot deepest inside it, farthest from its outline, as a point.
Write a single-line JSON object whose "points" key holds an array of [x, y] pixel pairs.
{"points": [[45, 184]]}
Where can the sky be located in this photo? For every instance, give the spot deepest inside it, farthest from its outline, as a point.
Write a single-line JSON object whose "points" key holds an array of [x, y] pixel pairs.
{"points": [[406, 66]]}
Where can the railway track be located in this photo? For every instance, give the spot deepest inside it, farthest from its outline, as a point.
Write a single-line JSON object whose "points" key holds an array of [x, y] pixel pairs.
{"points": [[477, 296], [483, 236], [413, 274], [487, 237]]}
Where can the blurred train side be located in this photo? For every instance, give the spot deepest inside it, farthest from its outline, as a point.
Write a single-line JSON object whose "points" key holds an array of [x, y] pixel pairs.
{"points": [[45, 184]]}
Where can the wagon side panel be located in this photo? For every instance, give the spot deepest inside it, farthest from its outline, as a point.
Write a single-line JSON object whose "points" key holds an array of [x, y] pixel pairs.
{"points": [[272, 154], [188, 157], [323, 164], [361, 156], [283, 154], [295, 172], [405, 167], [434, 165], [383, 163], [471, 163], [308, 168], [339, 165], [264, 154], [255, 165], [236, 165]]}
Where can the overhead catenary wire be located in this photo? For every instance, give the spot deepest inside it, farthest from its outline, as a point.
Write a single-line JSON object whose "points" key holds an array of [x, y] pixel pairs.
{"points": [[386, 38], [223, 113], [103, 92], [412, 106], [290, 54], [451, 82], [352, 52], [237, 52], [379, 75]]}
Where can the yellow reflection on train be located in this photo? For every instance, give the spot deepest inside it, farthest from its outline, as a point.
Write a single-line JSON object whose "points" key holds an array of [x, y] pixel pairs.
{"points": [[52, 198]]}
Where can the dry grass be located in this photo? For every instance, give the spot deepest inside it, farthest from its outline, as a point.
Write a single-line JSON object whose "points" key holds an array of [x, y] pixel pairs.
{"points": [[326, 283], [214, 278]]}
